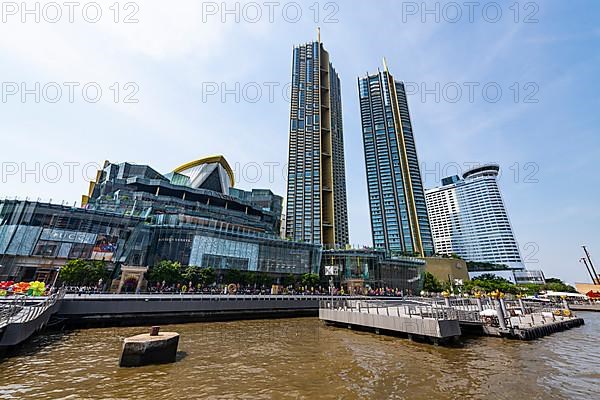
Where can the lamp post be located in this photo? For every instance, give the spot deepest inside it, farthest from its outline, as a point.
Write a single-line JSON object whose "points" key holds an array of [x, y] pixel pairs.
{"points": [[55, 278]]}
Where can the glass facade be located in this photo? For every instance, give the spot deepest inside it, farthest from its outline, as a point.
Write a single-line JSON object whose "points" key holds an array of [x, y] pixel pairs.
{"points": [[316, 188], [373, 269], [137, 217], [399, 220], [33, 234], [37, 236]]}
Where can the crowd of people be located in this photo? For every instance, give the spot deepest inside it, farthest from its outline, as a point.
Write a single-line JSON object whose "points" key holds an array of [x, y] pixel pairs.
{"points": [[244, 289]]}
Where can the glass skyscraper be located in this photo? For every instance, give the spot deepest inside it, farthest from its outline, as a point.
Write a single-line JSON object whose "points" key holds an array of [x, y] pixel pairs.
{"points": [[316, 209], [399, 220]]}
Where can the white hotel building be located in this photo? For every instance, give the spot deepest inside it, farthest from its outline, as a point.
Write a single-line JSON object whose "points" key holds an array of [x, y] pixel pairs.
{"points": [[468, 218]]}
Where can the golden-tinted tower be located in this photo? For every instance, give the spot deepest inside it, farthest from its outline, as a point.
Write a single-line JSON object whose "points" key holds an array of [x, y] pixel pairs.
{"points": [[316, 188]]}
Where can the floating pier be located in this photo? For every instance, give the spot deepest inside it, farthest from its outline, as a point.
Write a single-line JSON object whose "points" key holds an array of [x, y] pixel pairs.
{"points": [[536, 332], [441, 322], [416, 322]]}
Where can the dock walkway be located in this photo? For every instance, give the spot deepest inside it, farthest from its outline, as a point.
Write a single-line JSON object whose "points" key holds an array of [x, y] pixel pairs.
{"points": [[445, 319], [413, 320]]}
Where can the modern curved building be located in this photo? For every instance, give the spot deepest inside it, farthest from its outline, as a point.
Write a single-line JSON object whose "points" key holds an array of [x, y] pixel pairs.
{"points": [[211, 173], [134, 216], [468, 218]]}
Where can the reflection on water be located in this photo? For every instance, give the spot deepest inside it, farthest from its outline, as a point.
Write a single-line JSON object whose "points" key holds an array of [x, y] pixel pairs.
{"points": [[301, 358]]}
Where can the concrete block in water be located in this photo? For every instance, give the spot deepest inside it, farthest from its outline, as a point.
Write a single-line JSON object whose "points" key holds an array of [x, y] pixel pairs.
{"points": [[147, 349]]}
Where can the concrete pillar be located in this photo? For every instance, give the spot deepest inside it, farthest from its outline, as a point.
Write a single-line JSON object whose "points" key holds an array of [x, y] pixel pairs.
{"points": [[447, 301], [501, 315], [158, 348], [503, 304], [479, 304], [522, 306]]}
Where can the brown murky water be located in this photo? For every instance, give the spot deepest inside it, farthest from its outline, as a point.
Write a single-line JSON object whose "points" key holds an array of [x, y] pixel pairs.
{"points": [[303, 359]]}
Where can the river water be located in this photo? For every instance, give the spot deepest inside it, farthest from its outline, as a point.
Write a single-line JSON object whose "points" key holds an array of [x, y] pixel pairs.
{"points": [[304, 359]]}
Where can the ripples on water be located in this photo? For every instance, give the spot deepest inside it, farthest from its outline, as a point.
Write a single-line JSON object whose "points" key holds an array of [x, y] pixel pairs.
{"points": [[302, 358]]}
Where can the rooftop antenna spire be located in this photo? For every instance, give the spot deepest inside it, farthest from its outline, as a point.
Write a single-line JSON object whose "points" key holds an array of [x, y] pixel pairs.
{"points": [[385, 67], [319, 34]]}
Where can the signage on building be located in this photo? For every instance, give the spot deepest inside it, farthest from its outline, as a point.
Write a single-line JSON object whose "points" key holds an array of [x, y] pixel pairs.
{"points": [[58, 235], [332, 270]]}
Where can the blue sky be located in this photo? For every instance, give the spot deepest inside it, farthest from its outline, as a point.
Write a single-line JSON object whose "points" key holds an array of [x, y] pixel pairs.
{"points": [[544, 136]]}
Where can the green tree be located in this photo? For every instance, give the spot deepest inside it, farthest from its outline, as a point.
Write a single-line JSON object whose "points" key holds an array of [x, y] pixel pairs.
{"points": [[264, 279], [191, 273], [248, 277], [167, 271], [557, 285], [288, 280], [96, 270], [431, 283], [82, 272], [233, 276], [491, 282], [309, 280], [206, 276], [73, 272]]}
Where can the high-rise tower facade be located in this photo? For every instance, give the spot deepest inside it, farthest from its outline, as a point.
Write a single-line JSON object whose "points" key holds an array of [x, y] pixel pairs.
{"points": [[468, 218], [316, 209], [399, 220]]}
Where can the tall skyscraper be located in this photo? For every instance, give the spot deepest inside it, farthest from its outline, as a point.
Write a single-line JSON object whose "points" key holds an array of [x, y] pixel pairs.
{"points": [[468, 218], [399, 220], [316, 209]]}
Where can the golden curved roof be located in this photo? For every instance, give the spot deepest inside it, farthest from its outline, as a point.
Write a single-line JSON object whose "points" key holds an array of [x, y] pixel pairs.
{"points": [[208, 160]]}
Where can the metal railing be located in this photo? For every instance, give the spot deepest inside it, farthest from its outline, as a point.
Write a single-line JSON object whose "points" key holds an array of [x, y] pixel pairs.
{"points": [[200, 296], [391, 308], [10, 306], [17, 310], [465, 310]]}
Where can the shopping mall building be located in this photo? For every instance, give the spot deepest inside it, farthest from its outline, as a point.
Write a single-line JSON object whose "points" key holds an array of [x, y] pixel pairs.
{"points": [[133, 217]]}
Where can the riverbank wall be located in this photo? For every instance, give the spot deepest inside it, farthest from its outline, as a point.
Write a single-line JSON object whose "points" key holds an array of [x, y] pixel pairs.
{"points": [[97, 310]]}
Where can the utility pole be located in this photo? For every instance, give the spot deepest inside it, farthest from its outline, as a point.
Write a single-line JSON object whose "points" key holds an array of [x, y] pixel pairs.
{"points": [[595, 280]]}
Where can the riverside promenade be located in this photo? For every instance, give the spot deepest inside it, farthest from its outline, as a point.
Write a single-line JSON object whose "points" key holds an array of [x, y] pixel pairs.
{"points": [[87, 310]]}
